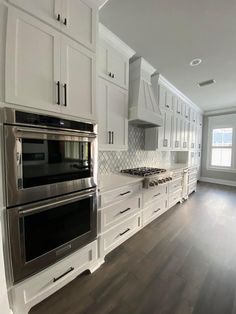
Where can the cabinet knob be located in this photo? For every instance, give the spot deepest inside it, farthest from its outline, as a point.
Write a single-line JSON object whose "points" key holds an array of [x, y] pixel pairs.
{"points": [[110, 74], [113, 76], [65, 21], [59, 17]]}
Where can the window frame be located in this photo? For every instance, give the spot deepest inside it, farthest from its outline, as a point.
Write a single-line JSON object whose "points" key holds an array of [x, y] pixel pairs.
{"points": [[212, 126]]}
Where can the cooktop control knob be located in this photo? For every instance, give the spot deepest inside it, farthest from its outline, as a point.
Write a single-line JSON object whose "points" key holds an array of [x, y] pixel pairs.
{"points": [[151, 183], [156, 182], [160, 181]]}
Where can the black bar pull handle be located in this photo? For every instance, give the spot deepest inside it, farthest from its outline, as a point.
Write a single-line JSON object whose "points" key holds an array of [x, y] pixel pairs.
{"points": [[112, 137], [125, 210], [122, 194], [65, 94], [59, 17], [58, 92], [127, 230], [65, 21], [67, 272], [109, 137]]}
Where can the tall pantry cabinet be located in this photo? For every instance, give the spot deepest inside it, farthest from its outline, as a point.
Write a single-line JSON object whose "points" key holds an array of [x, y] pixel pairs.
{"points": [[51, 56]]}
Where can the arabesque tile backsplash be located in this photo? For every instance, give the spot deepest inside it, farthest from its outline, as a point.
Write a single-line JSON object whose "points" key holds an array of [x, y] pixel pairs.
{"points": [[136, 156]]}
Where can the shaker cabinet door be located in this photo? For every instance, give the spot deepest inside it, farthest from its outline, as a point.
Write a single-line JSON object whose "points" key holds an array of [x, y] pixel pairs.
{"points": [[78, 80], [32, 62], [112, 116], [79, 20], [46, 10], [118, 117]]}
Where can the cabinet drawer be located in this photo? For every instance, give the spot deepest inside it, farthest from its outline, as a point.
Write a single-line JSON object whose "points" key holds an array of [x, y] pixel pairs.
{"points": [[154, 210], [154, 193], [192, 177], [177, 175], [175, 185], [117, 235], [192, 170], [119, 194], [116, 213], [192, 187], [174, 198], [38, 287]]}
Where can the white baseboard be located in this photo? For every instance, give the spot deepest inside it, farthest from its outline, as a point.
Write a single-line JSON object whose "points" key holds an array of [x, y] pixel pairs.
{"points": [[218, 181]]}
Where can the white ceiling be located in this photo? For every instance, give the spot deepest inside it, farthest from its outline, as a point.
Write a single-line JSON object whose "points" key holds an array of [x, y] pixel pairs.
{"points": [[170, 33]]}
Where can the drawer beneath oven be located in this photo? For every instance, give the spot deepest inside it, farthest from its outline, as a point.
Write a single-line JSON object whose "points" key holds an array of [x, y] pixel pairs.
{"points": [[38, 287], [175, 197], [117, 235]]}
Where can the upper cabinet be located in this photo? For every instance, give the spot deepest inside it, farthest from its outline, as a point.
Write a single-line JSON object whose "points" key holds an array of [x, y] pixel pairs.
{"points": [[77, 19], [114, 58], [113, 83], [182, 122], [47, 70]]}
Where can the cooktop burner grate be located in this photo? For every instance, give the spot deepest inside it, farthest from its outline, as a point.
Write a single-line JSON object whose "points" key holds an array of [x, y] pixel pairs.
{"points": [[143, 171]]}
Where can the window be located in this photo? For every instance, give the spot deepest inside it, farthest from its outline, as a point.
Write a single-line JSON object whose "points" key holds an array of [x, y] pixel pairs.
{"points": [[221, 147]]}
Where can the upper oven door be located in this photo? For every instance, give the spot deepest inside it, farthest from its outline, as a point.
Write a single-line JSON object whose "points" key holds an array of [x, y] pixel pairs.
{"points": [[42, 163]]}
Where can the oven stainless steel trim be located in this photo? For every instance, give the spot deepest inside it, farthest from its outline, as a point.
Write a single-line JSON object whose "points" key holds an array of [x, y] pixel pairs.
{"points": [[22, 269], [15, 194]]}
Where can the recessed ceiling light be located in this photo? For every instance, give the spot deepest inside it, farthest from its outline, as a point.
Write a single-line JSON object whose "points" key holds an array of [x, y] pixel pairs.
{"points": [[195, 62], [205, 83]]}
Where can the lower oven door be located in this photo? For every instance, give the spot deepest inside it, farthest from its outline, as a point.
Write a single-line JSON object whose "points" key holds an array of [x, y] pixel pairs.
{"points": [[44, 233]]}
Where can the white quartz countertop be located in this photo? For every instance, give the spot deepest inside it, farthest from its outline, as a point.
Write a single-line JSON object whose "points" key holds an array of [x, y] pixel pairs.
{"points": [[112, 181]]}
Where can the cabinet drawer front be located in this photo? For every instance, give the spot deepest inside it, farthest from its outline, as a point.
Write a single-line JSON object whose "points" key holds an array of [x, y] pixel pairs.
{"points": [[192, 177], [192, 170], [117, 235], [177, 175], [154, 210], [154, 193], [41, 285], [116, 213], [119, 194], [175, 185], [174, 198]]}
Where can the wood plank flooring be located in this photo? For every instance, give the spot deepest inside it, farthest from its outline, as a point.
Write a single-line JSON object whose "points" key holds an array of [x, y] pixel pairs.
{"points": [[184, 262]]}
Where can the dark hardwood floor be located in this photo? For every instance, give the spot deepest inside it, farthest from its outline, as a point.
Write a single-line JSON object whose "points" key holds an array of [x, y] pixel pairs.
{"points": [[184, 262]]}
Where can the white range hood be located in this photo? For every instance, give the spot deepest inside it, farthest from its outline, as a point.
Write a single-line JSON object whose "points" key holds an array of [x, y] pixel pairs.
{"points": [[143, 107]]}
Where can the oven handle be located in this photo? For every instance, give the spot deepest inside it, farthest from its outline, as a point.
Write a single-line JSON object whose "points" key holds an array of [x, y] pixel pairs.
{"points": [[56, 132], [41, 208]]}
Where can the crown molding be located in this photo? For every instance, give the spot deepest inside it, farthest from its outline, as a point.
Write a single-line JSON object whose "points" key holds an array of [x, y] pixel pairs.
{"points": [[115, 41], [101, 3], [163, 81], [220, 111]]}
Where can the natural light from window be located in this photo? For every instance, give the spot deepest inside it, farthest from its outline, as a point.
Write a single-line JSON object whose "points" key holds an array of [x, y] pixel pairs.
{"points": [[221, 148]]}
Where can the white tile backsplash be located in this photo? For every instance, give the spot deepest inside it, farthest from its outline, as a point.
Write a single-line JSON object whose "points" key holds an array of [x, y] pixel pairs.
{"points": [[136, 156]]}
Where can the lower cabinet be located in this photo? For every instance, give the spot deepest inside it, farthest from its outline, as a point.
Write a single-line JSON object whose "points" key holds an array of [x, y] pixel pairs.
{"points": [[126, 210], [33, 290], [120, 233], [154, 210]]}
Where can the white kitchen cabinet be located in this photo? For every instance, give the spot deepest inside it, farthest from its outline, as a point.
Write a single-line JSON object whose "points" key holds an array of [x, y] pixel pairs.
{"points": [[177, 105], [185, 134], [76, 19], [193, 115], [161, 137], [78, 79], [166, 99], [113, 65], [46, 10], [192, 136], [178, 132], [47, 70], [79, 21], [185, 111], [32, 62], [112, 116], [199, 138]]}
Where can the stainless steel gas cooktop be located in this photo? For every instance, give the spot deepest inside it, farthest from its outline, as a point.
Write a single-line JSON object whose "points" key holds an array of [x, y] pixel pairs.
{"points": [[152, 176]]}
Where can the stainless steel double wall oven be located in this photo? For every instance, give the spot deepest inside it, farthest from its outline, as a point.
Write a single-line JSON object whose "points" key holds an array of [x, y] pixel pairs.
{"points": [[51, 189]]}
